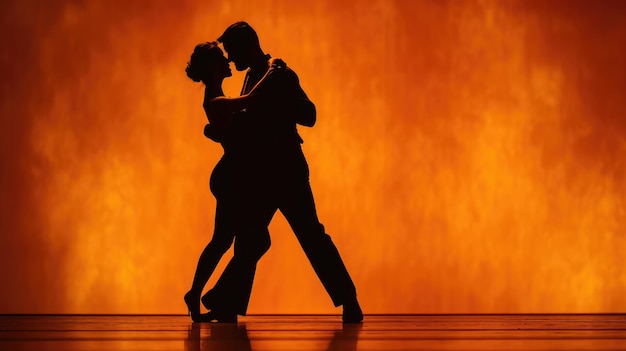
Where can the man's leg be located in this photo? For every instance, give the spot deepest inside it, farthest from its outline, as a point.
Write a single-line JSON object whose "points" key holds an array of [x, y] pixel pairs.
{"points": [[318, 247], [231, 293], [298, 206]]}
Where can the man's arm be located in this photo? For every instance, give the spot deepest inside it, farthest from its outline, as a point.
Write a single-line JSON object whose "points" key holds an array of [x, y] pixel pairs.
{"points": [[298, 102]]}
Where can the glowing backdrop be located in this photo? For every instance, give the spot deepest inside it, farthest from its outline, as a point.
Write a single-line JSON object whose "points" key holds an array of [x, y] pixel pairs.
{"points": [[469, 156]]}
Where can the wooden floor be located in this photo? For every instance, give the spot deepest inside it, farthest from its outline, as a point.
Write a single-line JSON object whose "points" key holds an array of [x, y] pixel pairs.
{"points": [[280, 332]]}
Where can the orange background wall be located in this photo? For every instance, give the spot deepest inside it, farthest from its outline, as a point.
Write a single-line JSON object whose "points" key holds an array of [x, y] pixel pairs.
{"points": [[469, 156]]}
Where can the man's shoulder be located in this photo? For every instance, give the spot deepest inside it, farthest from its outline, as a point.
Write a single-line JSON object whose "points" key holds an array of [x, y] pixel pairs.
{"points": [[290, 75]]}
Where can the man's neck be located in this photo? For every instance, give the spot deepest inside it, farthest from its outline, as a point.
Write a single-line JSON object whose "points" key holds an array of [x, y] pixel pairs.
{"points": [[259, 65], [260, 62]]}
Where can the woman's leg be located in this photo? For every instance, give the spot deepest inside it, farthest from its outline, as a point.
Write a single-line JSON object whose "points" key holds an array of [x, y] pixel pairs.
{"points": [[223, 236]]}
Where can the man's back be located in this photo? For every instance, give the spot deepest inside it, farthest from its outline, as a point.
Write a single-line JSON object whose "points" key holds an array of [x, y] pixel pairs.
{"points": [[268, 125]]}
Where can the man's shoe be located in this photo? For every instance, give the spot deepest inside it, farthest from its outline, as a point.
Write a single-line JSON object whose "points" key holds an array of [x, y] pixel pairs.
{"points": [[352, 312], [206, 301], [222, 317]]}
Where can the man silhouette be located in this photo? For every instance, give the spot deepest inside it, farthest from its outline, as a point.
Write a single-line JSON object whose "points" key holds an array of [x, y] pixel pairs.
{"points": [[272, 174]]}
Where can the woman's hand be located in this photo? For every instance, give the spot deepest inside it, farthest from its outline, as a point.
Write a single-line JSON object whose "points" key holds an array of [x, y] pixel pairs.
{"points": [[213, 133], [277, 64]]}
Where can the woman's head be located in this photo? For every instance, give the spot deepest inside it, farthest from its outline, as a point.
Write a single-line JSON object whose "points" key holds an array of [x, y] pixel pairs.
{"points": [[208, 64]]}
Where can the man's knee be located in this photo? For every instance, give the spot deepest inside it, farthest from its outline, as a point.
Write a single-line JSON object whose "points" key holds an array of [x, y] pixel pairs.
{"points": [[312, 234], [320, 241]]}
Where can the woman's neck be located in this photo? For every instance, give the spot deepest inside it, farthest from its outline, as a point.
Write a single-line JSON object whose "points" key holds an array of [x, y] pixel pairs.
{"points": [[213, 90]]}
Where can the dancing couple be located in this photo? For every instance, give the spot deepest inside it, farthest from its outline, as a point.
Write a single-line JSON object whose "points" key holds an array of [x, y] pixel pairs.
{"points": [[263, 169]]}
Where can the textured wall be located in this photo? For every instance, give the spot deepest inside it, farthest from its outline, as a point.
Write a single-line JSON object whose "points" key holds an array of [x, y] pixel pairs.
{"points": [[469, 156]]}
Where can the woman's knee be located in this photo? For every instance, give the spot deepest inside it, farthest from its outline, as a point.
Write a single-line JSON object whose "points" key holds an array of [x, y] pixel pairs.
{"points": [[253, 247], [220, 244]]}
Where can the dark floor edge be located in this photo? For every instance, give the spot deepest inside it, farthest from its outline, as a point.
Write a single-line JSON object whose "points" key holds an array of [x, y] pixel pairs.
{"points": [[308, 314]]}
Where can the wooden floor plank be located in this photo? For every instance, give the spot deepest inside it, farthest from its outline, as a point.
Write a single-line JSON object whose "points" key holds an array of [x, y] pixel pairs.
{"points": [[315, 332]]}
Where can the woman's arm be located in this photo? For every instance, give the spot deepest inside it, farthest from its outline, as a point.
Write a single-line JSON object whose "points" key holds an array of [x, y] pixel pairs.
{"points": [[223, 105]]}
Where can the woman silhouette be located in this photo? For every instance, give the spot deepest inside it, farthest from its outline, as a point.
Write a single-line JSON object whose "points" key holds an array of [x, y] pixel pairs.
{"points": [[209, 66]]}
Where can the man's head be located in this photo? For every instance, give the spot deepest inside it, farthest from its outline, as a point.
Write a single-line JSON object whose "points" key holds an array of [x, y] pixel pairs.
{"points": [[241, 44]]}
